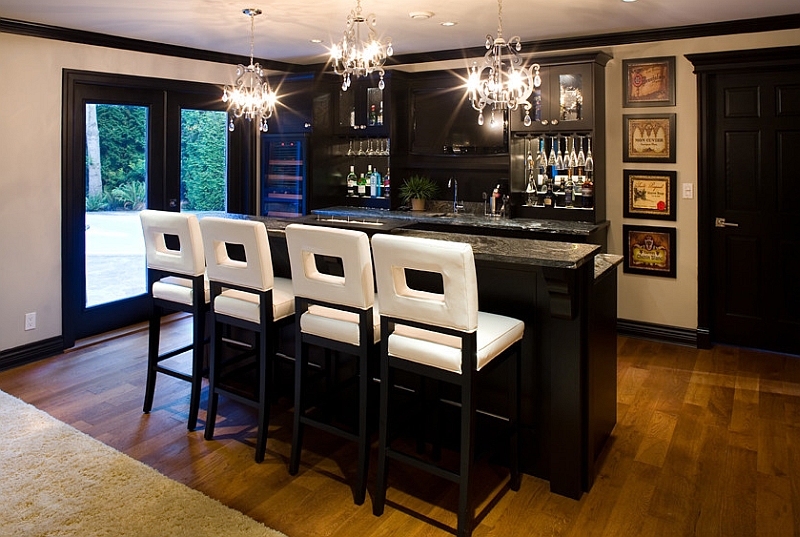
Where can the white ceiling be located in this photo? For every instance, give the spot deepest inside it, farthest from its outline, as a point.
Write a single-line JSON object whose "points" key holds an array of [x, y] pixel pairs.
{"points": [[284, 31]]}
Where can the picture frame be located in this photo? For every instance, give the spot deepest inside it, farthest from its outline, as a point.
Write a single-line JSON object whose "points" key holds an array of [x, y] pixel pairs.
{"points": [[649, 250], [649, 194], [649, 138], [648, 82]]}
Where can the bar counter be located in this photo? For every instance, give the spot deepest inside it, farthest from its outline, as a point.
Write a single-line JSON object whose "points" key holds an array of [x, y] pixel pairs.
{"points": [[446, 220], [566, 293]]}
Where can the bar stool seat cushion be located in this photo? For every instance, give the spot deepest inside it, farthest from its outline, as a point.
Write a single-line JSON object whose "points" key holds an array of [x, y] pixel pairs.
{"points": [[244, 305], [338, 325], [178, 290], [495, 334]]}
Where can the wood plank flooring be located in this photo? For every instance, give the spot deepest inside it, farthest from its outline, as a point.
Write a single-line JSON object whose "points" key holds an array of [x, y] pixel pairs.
{"points": [[707, 443]]}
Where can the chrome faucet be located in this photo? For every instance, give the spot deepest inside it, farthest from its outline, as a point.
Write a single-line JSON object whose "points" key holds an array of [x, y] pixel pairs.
{"points": [[453, 183]]}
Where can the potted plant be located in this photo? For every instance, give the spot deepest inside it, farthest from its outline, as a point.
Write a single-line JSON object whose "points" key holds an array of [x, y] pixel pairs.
{"points": [[417, 189]]}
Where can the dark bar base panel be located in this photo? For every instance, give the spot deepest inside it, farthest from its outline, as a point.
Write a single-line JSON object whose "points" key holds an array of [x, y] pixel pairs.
{"points": [[33, 352], [661, 333]]}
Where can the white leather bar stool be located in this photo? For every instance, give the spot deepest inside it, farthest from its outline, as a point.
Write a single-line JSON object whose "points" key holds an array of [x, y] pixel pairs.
{"points": [[176, 280], [442, 336], [338, 313], [244, 294]]}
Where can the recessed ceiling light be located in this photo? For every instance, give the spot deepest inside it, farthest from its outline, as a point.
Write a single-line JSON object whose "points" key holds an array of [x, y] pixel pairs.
{"points": [[449, 23], [421, 14], [315, 40], [628, 1]]}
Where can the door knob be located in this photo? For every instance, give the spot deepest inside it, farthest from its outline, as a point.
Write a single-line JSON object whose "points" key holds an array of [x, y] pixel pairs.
{"points": [[720, 222]]}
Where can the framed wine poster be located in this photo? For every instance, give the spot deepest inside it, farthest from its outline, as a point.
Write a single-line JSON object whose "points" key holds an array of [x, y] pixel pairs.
{"points": [[649, 82], [649, 138], [649, 250], [649, 194]]}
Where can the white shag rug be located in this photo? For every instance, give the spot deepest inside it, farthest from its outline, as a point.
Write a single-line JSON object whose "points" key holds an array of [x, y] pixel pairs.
{"points": [[58, 481]]}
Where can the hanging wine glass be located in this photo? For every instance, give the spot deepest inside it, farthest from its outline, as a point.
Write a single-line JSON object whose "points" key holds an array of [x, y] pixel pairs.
{"points": [[350, 152], [361, 152], [589, 159], [559, 156], [551, 160], [581, 155], [573, 157]]}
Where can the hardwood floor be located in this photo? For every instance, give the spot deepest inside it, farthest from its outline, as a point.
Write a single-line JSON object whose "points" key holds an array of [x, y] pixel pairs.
{"points": [[707, 443]]}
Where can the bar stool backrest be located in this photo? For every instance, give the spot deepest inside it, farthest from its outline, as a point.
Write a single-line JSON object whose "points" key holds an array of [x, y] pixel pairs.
{"points": [[356, 288], [255, 272], [156, 226], [456, 307]]}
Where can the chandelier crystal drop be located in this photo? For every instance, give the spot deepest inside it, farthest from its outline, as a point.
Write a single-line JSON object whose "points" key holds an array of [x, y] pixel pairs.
{"points": [[502, 81], [355, 57], [250, 95]]}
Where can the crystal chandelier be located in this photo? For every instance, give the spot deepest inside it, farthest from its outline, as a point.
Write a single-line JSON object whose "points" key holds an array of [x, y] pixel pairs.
{"points": [[508, 83], [251, 95], [354, 57]]}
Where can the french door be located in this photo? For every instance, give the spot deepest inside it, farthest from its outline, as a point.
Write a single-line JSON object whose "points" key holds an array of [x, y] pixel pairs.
{"points": [[129, 144]]}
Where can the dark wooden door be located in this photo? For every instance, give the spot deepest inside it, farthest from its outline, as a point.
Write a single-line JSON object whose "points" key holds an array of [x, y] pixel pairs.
{"points": [[754, 202]]}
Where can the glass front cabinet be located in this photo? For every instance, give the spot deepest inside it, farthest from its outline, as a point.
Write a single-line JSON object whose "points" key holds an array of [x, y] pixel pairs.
{"points": [[561, 149]]}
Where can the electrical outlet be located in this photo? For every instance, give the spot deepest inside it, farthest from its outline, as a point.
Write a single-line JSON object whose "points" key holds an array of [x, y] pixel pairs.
{"points": [[30, 321]]}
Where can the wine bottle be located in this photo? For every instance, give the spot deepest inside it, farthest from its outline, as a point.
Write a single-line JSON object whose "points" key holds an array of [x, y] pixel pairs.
{"points": [[569, 190], [549, 196]]}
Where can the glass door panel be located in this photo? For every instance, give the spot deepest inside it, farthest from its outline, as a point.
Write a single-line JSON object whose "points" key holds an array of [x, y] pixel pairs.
{"points": [[116, 190], [204, 160]]}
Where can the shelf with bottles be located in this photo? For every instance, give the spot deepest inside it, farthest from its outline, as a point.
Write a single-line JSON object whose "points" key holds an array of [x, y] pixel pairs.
{"points": [[556, 171], [368, 188]]}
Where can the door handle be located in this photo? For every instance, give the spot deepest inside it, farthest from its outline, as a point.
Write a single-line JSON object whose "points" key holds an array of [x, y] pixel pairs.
{"points": [[720, 222]]}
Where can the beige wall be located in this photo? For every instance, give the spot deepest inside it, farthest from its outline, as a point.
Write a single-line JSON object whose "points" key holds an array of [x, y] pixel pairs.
{"points": [[665, 301], [30, 181], [30, 160]]}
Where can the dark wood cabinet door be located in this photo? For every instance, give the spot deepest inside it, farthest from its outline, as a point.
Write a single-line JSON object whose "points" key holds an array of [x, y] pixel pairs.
{"points": [[755, 237]]}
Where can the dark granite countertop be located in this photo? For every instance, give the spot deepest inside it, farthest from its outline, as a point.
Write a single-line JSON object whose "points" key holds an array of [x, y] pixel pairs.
{"points": [[465, 219], [533, 252]]}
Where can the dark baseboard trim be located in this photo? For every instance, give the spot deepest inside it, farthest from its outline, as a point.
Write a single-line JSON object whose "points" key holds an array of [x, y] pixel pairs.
{"points": [[31, 352], [657, 332]]}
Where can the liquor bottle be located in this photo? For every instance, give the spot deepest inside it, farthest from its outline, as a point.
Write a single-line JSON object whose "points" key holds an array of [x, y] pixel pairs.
{"points": [[377, 180], [352, 182], [587, 191], [569, 190], [373, 116], [370, 182], [362, 185], [387, 183], [549, 196], [379, 120]]}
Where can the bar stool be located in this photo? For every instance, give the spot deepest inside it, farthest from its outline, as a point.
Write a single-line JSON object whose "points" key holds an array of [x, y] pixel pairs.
{"points": [[176, 279], [442, 336], [338, 313], [244, 294]]}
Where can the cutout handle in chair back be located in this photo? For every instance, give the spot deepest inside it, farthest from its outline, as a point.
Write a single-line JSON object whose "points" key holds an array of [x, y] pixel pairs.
{"points": [[156, 226], [356, 288], [255, 271], [456, 307]]}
